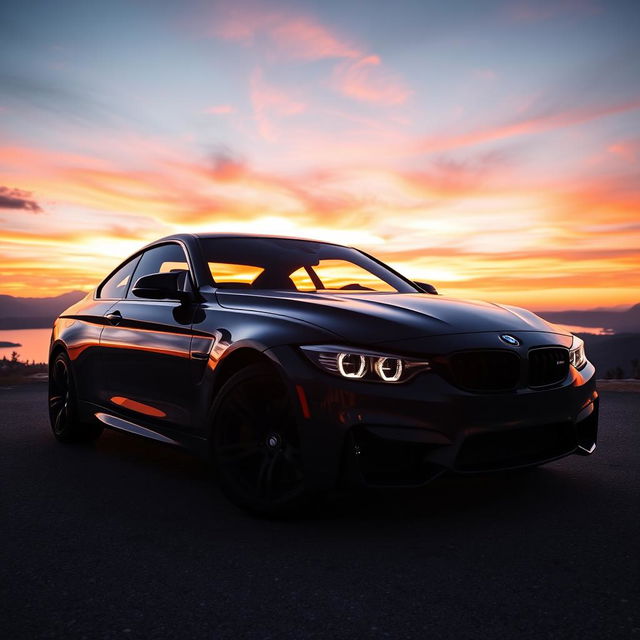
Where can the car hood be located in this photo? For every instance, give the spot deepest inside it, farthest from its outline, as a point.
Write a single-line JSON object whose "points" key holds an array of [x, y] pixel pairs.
{"points": [[368, 318]]}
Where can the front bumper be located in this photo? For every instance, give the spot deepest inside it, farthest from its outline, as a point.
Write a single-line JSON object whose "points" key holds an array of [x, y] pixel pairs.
{"points": [[377, 434]]}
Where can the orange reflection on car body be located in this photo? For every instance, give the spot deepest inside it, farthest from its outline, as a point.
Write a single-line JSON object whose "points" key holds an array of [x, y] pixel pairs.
{"points": [[302, 397], [157, 341], [140, 407], [75, 350]]}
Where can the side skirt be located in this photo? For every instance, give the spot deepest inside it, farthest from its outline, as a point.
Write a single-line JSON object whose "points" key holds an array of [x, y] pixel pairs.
{"points": [[195, 445], [130, 427]]}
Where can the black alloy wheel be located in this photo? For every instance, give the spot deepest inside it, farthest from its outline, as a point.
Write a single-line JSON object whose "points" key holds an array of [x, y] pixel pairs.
{"points": [[63, 405], [256, 445]]}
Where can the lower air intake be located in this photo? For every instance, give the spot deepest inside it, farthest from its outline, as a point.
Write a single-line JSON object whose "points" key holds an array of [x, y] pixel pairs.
{"points": [[516, 447]]}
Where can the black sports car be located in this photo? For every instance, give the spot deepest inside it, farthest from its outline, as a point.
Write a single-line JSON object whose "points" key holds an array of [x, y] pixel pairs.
{"points": [[299, 365]]}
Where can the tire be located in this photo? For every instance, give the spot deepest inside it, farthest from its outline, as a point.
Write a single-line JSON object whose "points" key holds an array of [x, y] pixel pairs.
{"points": [[255, 443], [63, 405]]}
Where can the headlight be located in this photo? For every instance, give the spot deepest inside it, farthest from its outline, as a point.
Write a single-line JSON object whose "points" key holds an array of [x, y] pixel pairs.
{"points": [[389, 369], [352, 365], [577, 356], [364, 365]]}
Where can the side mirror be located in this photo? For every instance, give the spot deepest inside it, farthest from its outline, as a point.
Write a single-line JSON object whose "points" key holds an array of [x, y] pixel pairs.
{"points": [[162, 286], [426, 287]]}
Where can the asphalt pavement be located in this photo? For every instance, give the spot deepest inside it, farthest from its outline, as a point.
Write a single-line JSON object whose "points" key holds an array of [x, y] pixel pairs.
{"points": [[131, 539]]}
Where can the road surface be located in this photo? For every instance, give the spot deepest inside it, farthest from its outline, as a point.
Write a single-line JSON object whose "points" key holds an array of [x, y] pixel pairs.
{"points": [[129, 539]]}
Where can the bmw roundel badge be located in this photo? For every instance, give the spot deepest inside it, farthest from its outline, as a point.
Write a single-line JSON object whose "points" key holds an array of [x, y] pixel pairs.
{"points": [[514, 342]]}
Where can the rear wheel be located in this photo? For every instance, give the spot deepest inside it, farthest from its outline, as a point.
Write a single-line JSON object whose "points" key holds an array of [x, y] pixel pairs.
{"points": [[256, 445], [63, 405]]}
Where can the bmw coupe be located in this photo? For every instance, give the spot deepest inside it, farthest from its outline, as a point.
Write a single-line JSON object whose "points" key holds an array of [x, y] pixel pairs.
{"points": [[299, 366]]}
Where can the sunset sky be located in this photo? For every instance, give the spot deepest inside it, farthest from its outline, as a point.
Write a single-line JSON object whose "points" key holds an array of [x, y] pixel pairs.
{"points": [[491, 148]]}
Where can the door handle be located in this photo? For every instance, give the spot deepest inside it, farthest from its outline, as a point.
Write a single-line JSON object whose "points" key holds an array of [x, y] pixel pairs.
{"points": [[115, 317]]}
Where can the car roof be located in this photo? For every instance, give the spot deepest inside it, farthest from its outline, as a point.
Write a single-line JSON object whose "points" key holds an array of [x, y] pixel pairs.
{"points": [[210, 235]]}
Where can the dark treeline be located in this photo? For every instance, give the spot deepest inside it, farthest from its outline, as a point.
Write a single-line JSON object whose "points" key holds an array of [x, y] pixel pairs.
{"points": [[12, 369]]}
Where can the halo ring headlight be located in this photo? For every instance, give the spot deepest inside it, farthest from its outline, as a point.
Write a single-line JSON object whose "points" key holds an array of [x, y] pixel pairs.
{"points": [[389, 369], [352, 365]]}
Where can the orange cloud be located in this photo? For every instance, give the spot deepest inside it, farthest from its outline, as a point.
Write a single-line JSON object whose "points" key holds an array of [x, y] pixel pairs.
{"points": [[628, 150], [27, 157], [470, 227], [364, 80]]}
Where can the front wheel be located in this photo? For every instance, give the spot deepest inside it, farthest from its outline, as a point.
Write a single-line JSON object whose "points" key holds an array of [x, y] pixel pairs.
{"points": [[256, 444], [63, 405]]}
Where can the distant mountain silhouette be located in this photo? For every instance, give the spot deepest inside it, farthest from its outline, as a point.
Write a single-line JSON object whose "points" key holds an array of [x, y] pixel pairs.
{"points": [[610, 352], [618, 321], [34, 313]]}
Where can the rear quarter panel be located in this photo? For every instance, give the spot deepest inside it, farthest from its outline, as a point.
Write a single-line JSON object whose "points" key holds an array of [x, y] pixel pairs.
{"points": [[77, 331]]}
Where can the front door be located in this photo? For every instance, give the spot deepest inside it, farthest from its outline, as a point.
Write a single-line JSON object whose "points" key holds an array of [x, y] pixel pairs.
{"points": [[145, 349]]}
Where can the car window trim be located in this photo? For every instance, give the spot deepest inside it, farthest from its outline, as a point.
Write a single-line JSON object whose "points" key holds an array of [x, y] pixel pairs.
{"points": [[124, 263], [391, 269], [190, 271]]}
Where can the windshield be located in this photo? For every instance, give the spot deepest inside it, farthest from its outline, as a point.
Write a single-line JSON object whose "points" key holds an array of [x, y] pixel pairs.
{"points": [[296, 265]]}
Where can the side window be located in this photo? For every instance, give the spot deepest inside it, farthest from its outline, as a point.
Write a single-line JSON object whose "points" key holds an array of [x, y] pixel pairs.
{"points": [[162, 259], [116, 286]]}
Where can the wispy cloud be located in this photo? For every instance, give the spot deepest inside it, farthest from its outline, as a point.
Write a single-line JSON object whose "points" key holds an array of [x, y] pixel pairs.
{"points": [[450, 221], [284, 34], [533, 124], [364, 79], [271, 103], [627, 150], [301, 37]]}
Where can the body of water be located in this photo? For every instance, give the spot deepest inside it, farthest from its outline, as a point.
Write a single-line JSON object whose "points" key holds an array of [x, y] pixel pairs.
{"points": [[34, 344], [596, 331]]}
